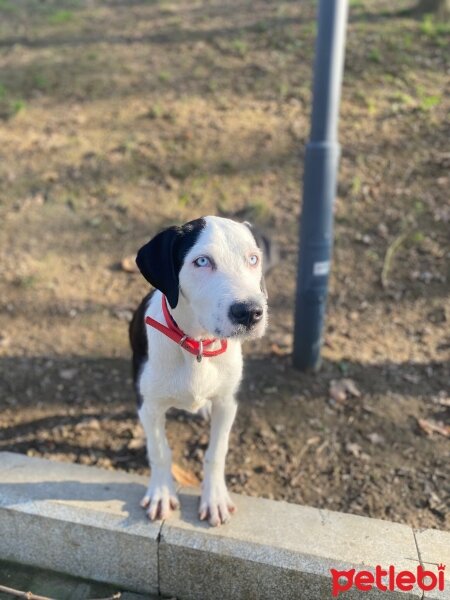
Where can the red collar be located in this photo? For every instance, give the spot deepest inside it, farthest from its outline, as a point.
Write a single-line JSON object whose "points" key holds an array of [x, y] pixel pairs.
{"points": [[172, 331]]}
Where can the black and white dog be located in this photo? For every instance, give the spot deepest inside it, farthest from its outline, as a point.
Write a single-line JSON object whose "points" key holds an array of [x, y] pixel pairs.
{"points": [[186, 338]]}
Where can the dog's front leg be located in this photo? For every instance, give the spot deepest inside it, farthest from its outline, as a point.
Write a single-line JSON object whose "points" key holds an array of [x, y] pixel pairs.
{"points": [[215, 502], [161, 494]]}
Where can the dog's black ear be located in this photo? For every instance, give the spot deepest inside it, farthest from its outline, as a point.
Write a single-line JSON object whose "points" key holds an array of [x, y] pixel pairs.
{"points": [[156, 263], [161, 259]]}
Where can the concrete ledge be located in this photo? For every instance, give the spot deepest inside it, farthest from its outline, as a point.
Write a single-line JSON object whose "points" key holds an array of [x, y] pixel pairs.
{"points": [[276, 550], [77, 520], [86, 521]]}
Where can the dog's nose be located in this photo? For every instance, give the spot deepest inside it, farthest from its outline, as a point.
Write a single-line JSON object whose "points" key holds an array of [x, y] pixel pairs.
{"points": [[246, 313]]}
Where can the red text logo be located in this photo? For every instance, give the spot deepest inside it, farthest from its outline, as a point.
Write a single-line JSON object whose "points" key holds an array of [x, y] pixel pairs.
{"points": [[387, 580]]}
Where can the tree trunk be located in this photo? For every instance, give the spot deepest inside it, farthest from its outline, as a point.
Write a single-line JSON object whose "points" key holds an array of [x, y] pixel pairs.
{"points": [[440, 8]]}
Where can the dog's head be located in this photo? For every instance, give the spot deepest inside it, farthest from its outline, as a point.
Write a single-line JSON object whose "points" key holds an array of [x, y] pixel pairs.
{"points": [[217, 267]]}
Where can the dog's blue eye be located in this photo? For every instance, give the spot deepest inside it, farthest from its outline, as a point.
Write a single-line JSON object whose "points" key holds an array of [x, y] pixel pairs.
{"points": [[253, 259], [202, 261]]}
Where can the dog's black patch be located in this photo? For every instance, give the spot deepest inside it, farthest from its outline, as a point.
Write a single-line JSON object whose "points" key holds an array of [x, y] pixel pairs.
{"points": [[138, 341], [270, 250], [161, 259]]}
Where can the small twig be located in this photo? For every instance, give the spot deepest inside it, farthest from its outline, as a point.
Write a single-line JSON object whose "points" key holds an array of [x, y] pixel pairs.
{"points": [[390, 253], [19, 594], [31, 596]]}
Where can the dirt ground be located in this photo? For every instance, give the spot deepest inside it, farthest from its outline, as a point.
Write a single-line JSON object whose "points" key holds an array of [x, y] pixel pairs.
{"points": [[121, 117]]}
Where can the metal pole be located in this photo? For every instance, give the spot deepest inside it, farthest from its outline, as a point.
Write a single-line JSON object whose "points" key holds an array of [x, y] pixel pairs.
{"points": [[319, 186]]}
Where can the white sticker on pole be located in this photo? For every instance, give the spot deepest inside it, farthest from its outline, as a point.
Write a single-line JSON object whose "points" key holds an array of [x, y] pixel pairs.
{"points": [[321, 268]]}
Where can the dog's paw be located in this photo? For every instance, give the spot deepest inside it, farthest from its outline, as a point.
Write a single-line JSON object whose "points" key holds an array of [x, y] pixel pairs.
{"points": [[160, 499], [215, 504]]}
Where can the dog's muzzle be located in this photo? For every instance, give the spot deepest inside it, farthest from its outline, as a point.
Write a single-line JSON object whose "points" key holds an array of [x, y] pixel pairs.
{"points": [[247, 314]]}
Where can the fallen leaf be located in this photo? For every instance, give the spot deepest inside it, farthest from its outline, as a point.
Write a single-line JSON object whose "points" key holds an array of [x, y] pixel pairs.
{"points": [[351, 388], [313, 440], [411, 378], [363, 238], [376, 438], [270, 390], [68, 374], [184, 477], [87, 424], [136, 444], [442, 400], [279, 427], [430, 427], [383, 231], [275, 349], [339, 389], [442, 214], [128, 264], [354, 449]]}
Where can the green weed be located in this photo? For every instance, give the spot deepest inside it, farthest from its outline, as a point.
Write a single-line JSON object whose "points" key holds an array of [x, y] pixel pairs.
{"points": [[155, 112], [310, 28], [283, 89], [407, 41], [183, 200], [375, 56], [433, 28], [164, 76], [7, 7], [183, 171], [9, 107], [262, 26], [343, 367], [419, 207], [166, 8], [371, 255], [372, 107], [212, 85], [26, 281], [17, 106], [356, 185], [40, 81], [240, 46], [429, 102], [226, 167], [403, 98], [94, 222], [60, 17], [417, 237]]}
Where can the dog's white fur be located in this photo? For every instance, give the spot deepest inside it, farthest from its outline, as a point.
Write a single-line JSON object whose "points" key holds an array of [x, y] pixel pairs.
{"points": [[172, 377]]}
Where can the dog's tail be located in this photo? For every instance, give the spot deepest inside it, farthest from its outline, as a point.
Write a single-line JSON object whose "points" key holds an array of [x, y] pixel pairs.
{"points": [[138, 337]]}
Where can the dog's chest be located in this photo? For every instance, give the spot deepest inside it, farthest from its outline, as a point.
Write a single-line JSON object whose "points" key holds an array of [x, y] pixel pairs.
{"points": [[195, 384], [188, 384]]}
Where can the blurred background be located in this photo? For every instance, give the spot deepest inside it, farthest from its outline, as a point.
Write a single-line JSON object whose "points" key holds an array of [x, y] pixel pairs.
{"points": [[120, 117]]}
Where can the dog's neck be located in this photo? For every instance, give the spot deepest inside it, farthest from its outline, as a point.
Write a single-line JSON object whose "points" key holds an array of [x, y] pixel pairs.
{"points": [[187, 321]]}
